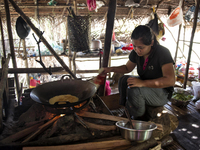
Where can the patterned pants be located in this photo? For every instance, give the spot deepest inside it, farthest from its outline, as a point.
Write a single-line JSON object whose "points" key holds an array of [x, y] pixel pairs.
{"points": [[136, 98]]}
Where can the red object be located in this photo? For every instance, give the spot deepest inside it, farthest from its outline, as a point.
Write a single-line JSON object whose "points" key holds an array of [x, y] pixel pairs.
{"points": [[129, 47], [91, 4], [107, 88], [33, 83], [99, 80], [113, 36]]}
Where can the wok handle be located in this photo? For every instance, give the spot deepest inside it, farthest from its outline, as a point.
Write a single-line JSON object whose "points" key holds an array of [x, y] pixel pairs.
{"points": [[69, 76]]}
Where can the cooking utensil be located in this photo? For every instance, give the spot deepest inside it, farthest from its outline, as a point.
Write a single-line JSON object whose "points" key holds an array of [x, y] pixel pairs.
{"points": [[84, 90], [22, 28], [141, 131], [129, 118]]}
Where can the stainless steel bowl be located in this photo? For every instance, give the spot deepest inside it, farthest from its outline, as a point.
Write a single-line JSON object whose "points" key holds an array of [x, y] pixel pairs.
{"points": [[142, 130]]}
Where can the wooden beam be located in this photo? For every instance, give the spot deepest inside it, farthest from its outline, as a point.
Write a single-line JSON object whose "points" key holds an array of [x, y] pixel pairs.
{"points": [[2, 38], [56, 70], [39, 34], [11, 44]]}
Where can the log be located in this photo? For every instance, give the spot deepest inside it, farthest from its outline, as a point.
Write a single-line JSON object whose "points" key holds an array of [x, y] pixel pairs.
{"points": [[38, 32], [41, 129], [21, 134], [106, 144], [99, 127], [107, 117], [53, 130], [28, 124]]}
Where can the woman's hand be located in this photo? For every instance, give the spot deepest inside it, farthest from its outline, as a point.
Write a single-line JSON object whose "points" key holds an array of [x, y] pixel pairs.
{"points": [[135, 82], [105, 71]]}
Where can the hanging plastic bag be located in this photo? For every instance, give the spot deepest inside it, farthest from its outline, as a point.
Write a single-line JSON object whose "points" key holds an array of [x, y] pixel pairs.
{"points": [[91, 4], [175, 17], [196, 88]]}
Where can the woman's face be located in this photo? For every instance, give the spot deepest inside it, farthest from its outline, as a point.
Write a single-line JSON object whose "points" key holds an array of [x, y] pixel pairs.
{"points": [[140, 48]]}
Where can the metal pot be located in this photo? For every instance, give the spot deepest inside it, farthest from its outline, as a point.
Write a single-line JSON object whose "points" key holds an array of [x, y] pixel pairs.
{"points": [[84, 90], [96, 45], [141, 132]]}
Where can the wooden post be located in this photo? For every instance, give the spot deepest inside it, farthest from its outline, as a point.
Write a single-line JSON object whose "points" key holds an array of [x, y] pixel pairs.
{"points": [[2, 38], [2, 87], [191, 42], [38, 32], [11, 44], [108, 38]]}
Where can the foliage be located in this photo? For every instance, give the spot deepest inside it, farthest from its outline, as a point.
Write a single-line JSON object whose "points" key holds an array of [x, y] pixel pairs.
{"points": [[182, 96]]}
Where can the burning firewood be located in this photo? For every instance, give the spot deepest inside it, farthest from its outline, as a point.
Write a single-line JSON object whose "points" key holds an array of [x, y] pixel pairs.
{"points": [[21, 134], [99, 127], [107, 117], [41, 129]]}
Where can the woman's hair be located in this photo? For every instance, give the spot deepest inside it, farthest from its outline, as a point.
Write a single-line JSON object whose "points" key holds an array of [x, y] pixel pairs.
{"points": [[145, 34]]}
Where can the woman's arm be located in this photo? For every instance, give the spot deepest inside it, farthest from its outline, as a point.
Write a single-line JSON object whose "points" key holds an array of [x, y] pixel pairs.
{"points": [[120, 69], [167, 80]]}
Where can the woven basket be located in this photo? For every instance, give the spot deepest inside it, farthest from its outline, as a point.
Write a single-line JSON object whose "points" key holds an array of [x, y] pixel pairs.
{"points": [[79, 31]]}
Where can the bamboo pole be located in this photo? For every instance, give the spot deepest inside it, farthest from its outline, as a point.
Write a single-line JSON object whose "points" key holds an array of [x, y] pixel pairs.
{"points": [[11, 44], [74, 55], [2, 87], [38, 32], [108, 38], [25, 59], [177, 44], [179, 31], [2, 38], [57, 70], [184, 39], [191, 42]]}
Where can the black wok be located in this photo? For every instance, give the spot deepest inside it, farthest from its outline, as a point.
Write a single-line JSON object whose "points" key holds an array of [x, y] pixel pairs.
{"points": [[84, 90]]}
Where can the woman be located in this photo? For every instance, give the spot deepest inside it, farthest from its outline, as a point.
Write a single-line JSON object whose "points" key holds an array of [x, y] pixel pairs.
{"points": [[154, 86]]}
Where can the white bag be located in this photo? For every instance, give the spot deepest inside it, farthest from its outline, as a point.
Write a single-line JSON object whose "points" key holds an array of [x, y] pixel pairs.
{"points": [[175, 17], [196, 89], [197, 104]]}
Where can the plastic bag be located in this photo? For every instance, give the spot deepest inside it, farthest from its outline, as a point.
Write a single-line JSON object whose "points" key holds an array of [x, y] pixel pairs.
{"points": [[197, 104], [196, 89], [91, 4], [175, 17], [131, 3]]}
